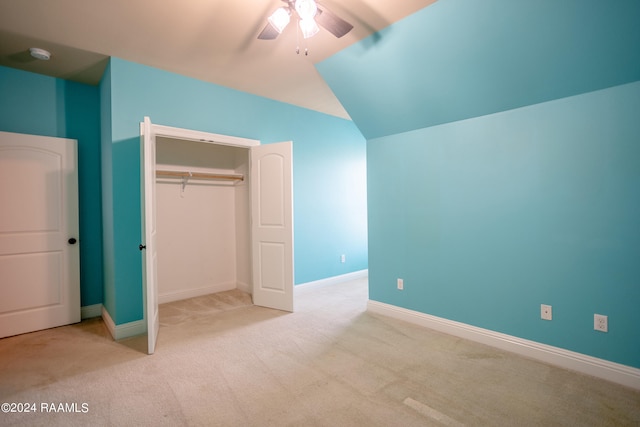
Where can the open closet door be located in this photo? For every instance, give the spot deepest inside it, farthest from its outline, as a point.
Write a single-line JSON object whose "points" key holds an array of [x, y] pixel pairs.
{"points": [[148, 246], [272, 225]]}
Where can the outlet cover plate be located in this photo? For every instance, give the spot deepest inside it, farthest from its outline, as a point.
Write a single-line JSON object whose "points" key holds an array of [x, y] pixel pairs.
{"points": [[545, 312], [600, 323]]}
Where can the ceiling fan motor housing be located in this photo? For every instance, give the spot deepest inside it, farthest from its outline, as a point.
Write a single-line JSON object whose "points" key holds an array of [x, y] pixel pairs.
{"points": [[310, 16]]}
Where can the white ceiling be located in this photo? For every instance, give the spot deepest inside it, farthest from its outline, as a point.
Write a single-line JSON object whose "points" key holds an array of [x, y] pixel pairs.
{"points": [[211, 40]]}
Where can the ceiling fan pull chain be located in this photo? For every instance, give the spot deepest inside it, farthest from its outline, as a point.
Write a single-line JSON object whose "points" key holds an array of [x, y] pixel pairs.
{"points": [[298, 39], [306, 48]]}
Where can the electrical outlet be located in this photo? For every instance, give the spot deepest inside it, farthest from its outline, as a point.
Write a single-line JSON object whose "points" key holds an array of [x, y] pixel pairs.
{"points": [[545, 312], [343, 258], [600, 323], [400, 284]]}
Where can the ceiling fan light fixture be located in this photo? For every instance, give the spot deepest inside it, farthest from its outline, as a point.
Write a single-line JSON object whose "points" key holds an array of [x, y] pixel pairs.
{"points": [[309, 16], [309, 28], [280, 19], [306, 9]]}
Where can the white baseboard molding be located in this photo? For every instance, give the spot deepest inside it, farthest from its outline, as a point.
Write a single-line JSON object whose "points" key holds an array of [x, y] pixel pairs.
{"points": [[334, 279], [600, 368], [90, 311], [196, 292], [125, 330]]}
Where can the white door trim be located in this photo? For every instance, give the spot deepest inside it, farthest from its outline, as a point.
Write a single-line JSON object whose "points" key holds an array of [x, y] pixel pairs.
{"points": [[205, 137]]}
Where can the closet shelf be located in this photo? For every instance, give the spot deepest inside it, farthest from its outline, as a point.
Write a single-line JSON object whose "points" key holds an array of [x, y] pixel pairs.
{"points": [[199, 175]]}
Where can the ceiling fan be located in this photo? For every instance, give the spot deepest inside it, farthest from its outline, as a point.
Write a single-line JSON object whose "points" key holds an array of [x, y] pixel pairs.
{"points": [[309, 14]]}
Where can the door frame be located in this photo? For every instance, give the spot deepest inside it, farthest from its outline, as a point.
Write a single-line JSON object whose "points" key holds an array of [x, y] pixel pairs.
{"points": [[204, 137]]}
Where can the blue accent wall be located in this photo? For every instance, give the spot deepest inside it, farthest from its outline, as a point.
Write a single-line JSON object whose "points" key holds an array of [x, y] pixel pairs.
{"points": [[39, 105], [328, 161], [458, 59], [485, 219]]}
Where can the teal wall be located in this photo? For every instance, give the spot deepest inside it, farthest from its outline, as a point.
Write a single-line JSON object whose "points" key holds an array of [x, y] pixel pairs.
{"points": [[458, 59], [503, 166], [505, 212], [329, 171], [40, 105], [109, 289]]}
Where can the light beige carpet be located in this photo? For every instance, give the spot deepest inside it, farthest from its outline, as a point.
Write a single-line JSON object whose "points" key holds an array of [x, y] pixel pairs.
{"points": [[221, 361]]}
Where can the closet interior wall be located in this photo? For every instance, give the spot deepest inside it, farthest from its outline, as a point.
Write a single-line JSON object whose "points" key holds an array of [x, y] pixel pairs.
{"points": [[203, 224]]}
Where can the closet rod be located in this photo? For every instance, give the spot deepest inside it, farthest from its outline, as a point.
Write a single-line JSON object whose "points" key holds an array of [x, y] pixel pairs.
{"points": [[199, 175]]}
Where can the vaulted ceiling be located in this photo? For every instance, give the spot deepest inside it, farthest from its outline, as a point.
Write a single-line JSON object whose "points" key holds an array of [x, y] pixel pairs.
{"points": [[211, 40], [459, 59]]}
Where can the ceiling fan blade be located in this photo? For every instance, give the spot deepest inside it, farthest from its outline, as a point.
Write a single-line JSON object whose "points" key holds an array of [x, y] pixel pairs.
{"points": [[268, 33], [332, 23]]}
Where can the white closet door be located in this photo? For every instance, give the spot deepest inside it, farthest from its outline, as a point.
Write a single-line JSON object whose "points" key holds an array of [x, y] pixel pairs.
{"points": [[272, 225], [39, 254], [148, 247]]}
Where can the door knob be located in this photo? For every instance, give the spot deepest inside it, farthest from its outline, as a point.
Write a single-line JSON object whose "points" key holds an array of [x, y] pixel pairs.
{"points": [[72, 241]]}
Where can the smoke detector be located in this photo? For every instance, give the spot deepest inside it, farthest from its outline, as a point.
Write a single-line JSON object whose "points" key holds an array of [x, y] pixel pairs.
{"points": [[38, 53]]}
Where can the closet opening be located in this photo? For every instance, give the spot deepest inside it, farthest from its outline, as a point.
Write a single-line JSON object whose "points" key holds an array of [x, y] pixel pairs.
{"points": [[203, 219], [218, 217]]}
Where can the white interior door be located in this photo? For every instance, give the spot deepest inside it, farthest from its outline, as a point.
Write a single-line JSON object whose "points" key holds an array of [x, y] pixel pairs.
{"points": [[272, 225], [148, 247], [39, 249]]}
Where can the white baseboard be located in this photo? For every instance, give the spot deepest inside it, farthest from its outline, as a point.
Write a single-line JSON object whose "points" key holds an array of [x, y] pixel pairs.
{"points": [[197, 292], [611, 371], [90, 311], [125, 330], [334, 279]]}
